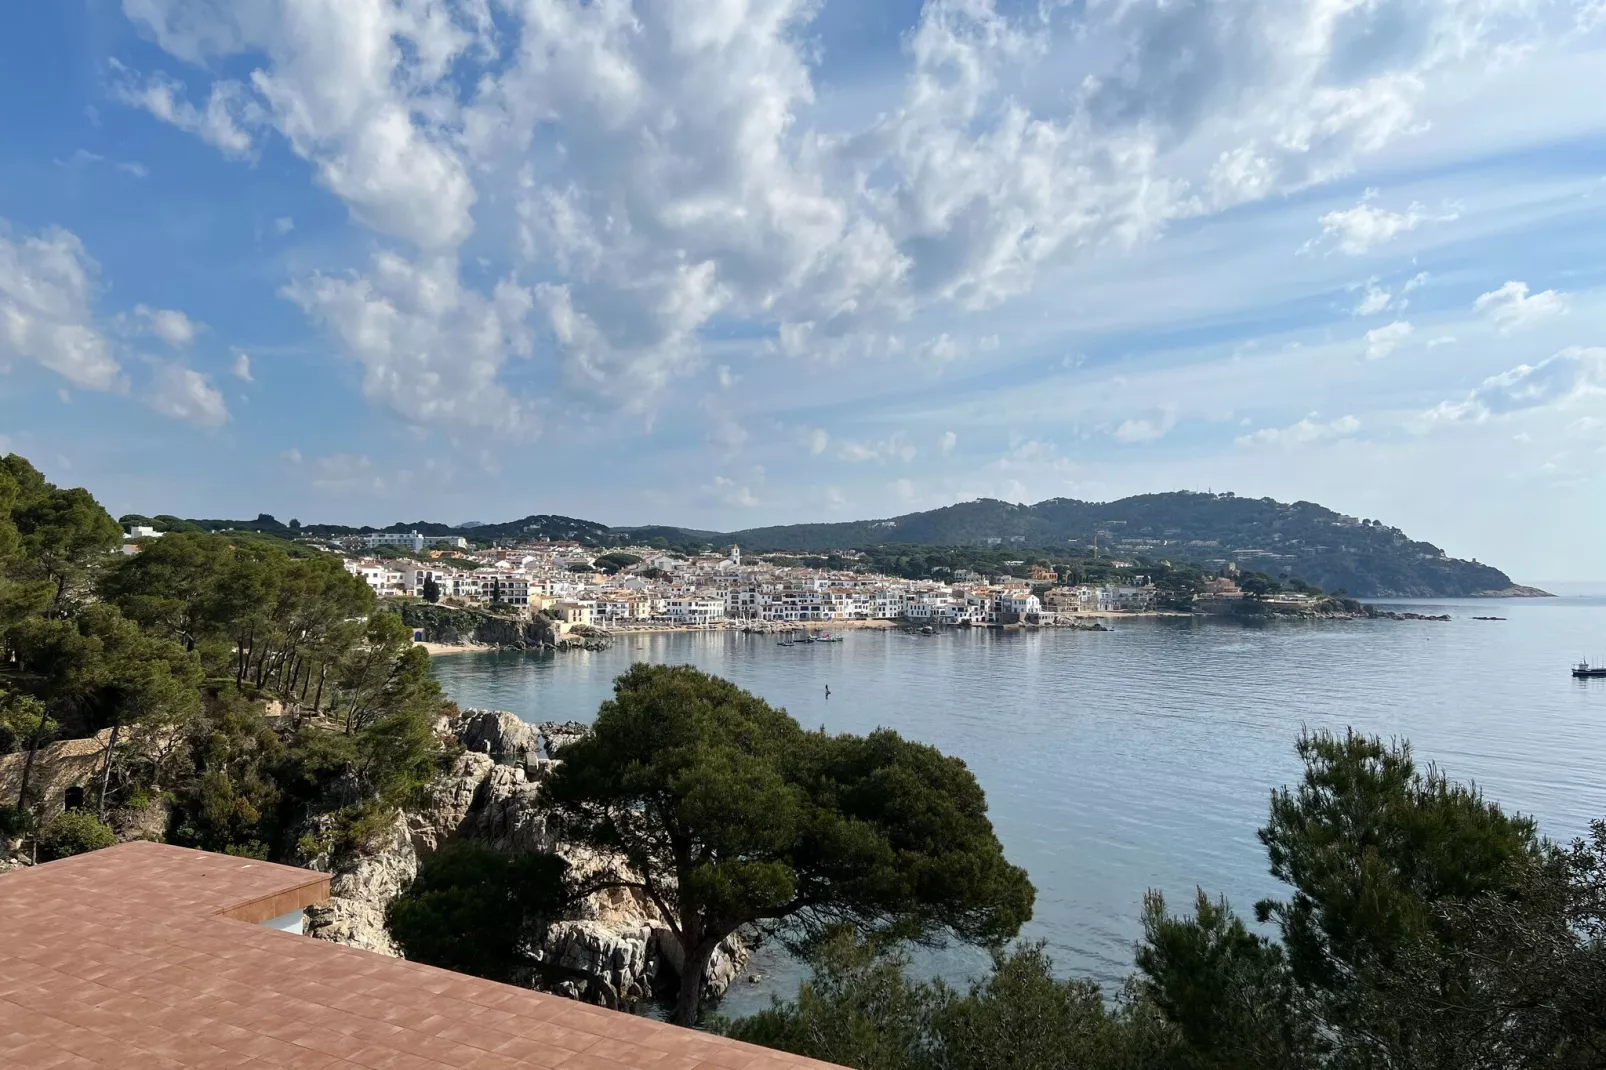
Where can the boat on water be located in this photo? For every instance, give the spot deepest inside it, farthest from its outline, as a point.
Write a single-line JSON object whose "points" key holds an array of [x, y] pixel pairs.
{"points": [[804, 640], [1584, 669]]}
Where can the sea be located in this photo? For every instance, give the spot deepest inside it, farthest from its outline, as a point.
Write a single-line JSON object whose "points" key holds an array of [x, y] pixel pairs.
{"points": [[1144, 757]]}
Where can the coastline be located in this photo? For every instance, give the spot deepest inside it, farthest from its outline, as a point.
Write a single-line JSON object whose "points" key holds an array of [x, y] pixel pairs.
{"points": [[1078, 621], [437, 649]]}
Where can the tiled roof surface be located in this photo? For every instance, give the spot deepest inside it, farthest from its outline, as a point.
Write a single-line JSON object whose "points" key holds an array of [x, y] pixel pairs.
{"points": [[143, 955]]}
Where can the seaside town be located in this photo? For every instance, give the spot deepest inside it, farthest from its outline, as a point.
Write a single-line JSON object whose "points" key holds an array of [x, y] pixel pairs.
{"points": [[643, 588]]}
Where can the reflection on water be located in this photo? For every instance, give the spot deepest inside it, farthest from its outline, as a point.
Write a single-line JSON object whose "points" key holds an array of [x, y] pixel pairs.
{"points": [[1143, 758]]}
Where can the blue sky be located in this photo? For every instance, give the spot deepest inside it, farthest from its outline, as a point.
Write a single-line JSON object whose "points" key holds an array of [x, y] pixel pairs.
{"points": [[731, 262]]}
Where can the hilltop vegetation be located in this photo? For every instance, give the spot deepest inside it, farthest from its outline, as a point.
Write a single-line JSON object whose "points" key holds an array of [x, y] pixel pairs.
{"points": [[254, 701], [1365, 558]]}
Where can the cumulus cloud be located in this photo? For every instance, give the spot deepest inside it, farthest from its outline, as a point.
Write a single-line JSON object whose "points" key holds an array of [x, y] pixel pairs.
{"points": [[1512, 306], [47, 286], [725, 433], [1149, 427], [1381, 341], [894, 448], [182, 393], [168, 324], [339, 473], [662, 167], [1305, 431], [1355, 231], [242, 366], [728, 492], [818, 440], [430, 348], [226, 121], [283, 225], [947, 442], [1374, 300], [1573, 373]]}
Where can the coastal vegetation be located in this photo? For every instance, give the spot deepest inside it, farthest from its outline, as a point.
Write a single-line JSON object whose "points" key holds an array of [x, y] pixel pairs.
{"points": [[1362, 557], [1422, 927], [729, 816], [252, 700]]}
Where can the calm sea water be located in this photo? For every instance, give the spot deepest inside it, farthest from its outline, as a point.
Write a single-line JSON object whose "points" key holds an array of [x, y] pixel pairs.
{"points": [[1144, 757]]}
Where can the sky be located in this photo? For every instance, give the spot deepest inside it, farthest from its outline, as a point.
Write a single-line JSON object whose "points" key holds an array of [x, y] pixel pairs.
{"points": [[723, 263]]}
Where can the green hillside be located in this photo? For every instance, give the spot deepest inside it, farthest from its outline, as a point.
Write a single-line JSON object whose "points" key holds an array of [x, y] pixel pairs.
{"points": [[1364, 557]]}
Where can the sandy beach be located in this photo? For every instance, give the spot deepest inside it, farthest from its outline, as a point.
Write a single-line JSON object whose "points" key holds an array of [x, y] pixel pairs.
{"points": [[437, 649]]}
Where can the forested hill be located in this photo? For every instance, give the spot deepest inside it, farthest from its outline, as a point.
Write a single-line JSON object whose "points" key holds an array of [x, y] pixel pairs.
{"points": [[1364, 557]]}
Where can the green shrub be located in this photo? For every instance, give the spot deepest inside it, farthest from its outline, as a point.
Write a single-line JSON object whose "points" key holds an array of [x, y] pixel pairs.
{"points": [[13, 822], [74, 833]]}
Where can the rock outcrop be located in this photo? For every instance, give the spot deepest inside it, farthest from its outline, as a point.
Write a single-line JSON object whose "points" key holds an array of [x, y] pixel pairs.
{"points": [[555, 735], [502, 735], [618, 947], [361, 886]]}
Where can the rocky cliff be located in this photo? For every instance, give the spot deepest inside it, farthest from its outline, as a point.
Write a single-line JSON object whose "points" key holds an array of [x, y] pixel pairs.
{"points": [[617, 949]]}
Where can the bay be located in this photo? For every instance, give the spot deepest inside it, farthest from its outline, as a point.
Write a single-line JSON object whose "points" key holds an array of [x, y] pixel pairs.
{"points": [[1144, 757]]}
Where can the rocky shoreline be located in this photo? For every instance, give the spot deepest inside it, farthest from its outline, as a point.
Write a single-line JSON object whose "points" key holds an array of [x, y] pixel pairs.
{"points": [[616, 950]]}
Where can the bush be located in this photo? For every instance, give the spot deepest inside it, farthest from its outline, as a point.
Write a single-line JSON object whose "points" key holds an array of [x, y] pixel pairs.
{"points": [[75, 832], [479, 911], [13, 822]]}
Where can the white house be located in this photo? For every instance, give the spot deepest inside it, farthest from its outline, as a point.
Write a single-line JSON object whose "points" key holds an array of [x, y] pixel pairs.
{"points": [[694, 610]]}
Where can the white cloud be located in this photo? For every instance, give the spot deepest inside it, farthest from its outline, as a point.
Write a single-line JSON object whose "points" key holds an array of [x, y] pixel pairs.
{"points": [[1573, 373], [1375, 300], [947, 442], [1511, 306], [283, 225], [1149, 427], [134, 167], [726, 491], [895, 448], [818, 441], [242, 366], [185, 394], [1381, 341], [225, 123], [168, 324], [662, 164], [359, 90], [725, 433], [430, 348], [339, 473], [47, 285], [1355, 231], [1305, 431], [904, 490], [943, 349]]}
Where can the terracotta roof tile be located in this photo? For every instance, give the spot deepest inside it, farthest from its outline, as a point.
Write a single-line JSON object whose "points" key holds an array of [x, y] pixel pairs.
{"points": [[146, 957]]}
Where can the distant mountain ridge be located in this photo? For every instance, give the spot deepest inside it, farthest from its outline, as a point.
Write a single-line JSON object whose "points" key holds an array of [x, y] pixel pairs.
{"points": [[1365, 558]]}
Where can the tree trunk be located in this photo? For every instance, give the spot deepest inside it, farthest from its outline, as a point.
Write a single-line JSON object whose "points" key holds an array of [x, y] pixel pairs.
{"points": [[317, 702], [27, 764], [106, 772], [691, 983]]}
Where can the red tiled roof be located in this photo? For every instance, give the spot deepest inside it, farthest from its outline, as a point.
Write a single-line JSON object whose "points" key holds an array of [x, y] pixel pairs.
{"points": [[142, 955]]}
